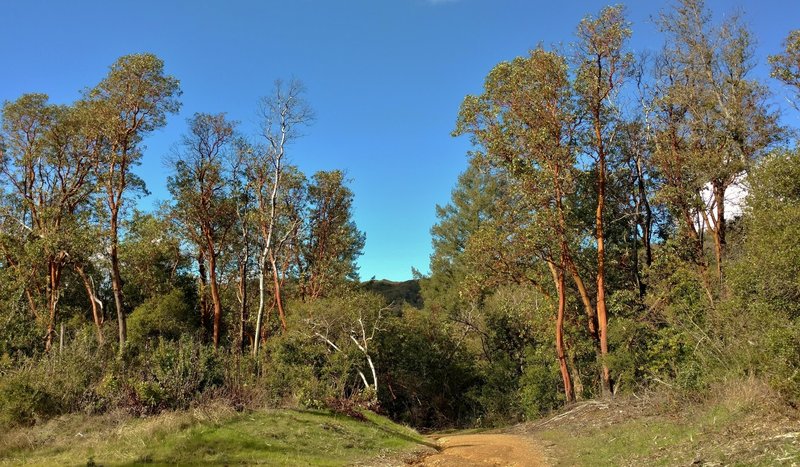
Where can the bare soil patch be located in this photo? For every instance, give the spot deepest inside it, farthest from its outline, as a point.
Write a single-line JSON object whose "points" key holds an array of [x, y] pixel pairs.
{"points": [[496, 449]]}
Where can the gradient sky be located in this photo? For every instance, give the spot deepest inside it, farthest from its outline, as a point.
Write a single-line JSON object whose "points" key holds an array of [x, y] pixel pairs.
{"points": [[385, 77]]}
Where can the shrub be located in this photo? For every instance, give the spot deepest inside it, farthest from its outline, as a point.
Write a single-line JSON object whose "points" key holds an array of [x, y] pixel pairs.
{"points": [[165, 316], [175, 374], [24, 402]]}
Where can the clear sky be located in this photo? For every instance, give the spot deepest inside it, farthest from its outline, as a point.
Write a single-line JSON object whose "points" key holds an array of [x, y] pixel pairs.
{"points": [[385, 77]]}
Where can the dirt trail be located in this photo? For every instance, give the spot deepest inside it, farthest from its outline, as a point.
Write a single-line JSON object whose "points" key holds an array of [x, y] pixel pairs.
{"points": [[486, 449]]}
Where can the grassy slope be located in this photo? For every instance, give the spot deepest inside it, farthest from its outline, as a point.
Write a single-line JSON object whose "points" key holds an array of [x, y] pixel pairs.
{"points": [[742, 425], [218, 436]]}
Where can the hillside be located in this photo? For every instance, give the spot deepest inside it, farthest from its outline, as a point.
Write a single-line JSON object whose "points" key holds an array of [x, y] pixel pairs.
{"points": [[214, 435], [396, 293], [742, 423]]}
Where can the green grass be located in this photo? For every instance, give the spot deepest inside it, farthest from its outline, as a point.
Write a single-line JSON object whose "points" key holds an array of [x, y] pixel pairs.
{"points": [[219, 436], [623, 443]]}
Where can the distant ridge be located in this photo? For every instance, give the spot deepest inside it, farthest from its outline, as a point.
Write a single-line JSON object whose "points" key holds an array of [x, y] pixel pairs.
{"points": [[396, 292]]}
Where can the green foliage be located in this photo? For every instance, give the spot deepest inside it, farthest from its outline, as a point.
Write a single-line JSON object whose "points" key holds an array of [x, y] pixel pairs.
{"points": [[175, 373], [765, 278], [786, 65], [164, 316], [22, 402], [539, 385], [151, 253], [293, 370], [426, 371], [40, 387]]}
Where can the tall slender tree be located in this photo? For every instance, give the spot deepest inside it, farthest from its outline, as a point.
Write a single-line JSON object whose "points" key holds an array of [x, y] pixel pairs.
{"points": [[284, 114], [132, 100], [718, 118], [602, 66], [334, 242], [525, 122], [201, 187]]}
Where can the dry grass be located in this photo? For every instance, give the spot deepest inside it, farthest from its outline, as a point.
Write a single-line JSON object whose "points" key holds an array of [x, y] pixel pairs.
{"points": [[739, 422]]}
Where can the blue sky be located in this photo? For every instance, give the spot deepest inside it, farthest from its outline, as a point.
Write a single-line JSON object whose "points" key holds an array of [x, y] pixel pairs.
{"points": [[385, 77]]}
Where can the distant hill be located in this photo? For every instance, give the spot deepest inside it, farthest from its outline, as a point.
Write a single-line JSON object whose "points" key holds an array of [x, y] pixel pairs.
{"points": [[396, 292]]}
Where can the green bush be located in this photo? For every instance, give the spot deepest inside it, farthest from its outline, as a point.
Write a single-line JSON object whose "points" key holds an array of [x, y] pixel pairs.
{"points": [[47, 385], [165, 316], [176, 373], [297, 371], [429, 379], [24, 402], [540, 384]]}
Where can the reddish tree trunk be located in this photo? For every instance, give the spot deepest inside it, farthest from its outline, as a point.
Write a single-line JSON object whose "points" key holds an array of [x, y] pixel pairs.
{"points": [[562, 359], [54, 279], [215, 298], [116, 283], [203, 280], [602, 314], [277, 286]]}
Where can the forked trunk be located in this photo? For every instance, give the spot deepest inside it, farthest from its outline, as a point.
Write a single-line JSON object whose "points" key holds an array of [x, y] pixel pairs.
{"points": [[53, 283], [93, 300]]}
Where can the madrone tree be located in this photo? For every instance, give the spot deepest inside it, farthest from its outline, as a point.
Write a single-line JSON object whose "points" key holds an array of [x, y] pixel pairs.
{"points": [[525, 123], [132, 100], [203, 204], [602, 65], [46, 177], [714, 119]]}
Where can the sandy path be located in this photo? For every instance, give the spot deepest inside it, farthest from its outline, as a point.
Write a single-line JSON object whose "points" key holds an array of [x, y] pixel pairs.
{"points": [[486, 449]]}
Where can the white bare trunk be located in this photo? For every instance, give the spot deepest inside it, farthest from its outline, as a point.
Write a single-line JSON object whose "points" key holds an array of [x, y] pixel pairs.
{"points": [[363, 349], [261, 292]]}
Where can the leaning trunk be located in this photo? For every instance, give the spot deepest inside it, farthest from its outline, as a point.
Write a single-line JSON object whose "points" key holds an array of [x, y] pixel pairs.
{"points": [[562, 360], [277, 286], [87, 284], [215, 299], [591, 316], [558, 277]]}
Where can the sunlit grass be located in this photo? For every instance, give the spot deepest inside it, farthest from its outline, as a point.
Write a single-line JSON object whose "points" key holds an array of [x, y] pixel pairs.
{"points": [[216, 436]]}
